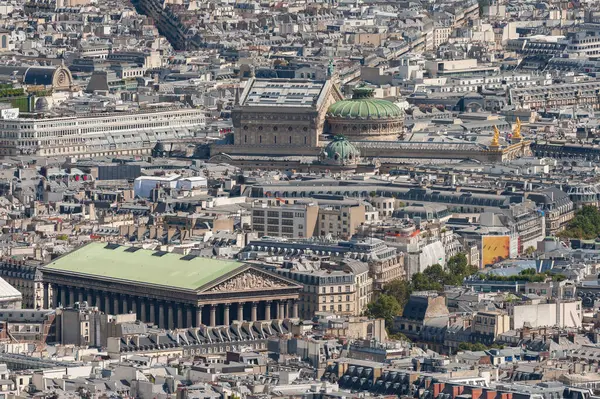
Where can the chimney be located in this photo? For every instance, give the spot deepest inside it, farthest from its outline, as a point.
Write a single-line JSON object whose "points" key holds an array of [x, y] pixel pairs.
{"points": [[438, 387], [490, 394], [476, 393], [427, 383]]}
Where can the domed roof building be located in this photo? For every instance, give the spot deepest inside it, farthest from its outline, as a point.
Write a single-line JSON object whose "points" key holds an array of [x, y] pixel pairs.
{"points": [[364, 118], [340, 155], [42, 105], [53, 77], [340, 152]]}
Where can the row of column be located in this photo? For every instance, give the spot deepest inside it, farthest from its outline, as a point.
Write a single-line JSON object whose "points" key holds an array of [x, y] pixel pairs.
{"points": [[283, 309], [166, 314], [171, 314]]}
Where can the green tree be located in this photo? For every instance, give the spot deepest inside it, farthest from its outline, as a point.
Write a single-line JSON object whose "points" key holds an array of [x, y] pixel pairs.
{"points": [[458, 268], [422, 282], [435, 277], [474, 347], [384, 307], [529, 275], [585, 224], [432, 278], [399, 337], [435, 272], [399, 289], [527, 272]]}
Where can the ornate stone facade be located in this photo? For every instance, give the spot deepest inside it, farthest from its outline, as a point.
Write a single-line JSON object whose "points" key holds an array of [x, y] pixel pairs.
{"points": [[363, 130], [248, 281], [281, 125], [280, 115]]}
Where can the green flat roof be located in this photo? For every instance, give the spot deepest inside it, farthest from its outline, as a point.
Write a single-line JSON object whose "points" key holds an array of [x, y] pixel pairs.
{"points": [[142, 266]]}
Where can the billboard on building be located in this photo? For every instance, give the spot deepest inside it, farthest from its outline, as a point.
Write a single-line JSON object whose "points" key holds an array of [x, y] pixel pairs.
{"points": [[494, 249], [9, 113]]}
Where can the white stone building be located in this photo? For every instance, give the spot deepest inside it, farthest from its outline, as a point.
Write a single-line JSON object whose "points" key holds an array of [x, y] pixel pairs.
{"points": [[101, 134], [559, 313]]}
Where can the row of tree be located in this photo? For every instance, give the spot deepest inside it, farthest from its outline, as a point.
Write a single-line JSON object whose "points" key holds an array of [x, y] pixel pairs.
{"points": [[9, 92], [528, 275], [395, 294]]}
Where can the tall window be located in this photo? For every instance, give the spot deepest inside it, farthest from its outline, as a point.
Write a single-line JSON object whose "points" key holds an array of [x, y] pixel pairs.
{"points": [[260, 139]]}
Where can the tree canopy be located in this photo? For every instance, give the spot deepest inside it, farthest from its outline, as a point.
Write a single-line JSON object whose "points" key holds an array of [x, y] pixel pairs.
{"points": [[458, 266], [384, 307], [432, 278], [6, 92], [528, 275], [399, 289], [585, 225]]}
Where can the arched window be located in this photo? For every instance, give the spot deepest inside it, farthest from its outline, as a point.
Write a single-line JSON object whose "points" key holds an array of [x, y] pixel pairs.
{"points": [[4, 41], [260, 139], [245, 138], [275, 140]]}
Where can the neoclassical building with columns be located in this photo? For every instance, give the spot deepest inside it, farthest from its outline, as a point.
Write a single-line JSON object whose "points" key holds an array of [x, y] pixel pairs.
{"points": [[167, 289]]}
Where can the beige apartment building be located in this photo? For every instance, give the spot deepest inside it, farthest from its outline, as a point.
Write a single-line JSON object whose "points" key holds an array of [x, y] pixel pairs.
{"points": [[340, 221], [284, 220], [488, 325], [441, 35], [363, 282], [325, 291]]}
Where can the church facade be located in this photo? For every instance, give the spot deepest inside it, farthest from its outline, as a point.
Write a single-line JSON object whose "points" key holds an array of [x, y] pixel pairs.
{"points": [[166, 289]]}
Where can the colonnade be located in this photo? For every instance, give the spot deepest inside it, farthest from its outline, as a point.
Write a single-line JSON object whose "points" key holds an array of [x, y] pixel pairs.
{"points": [[171, 313]]}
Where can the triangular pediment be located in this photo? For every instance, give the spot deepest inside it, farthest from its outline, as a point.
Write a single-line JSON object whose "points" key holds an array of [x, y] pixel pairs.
{"points": [[249, 280]]}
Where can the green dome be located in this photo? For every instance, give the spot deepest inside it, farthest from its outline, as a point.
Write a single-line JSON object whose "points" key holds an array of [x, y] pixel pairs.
{"points": [[342, 148], [364, 106]]}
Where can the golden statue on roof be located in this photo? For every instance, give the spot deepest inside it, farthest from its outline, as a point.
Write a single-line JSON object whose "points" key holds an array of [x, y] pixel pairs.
{"points": [[496, 138], [517, 132]]}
